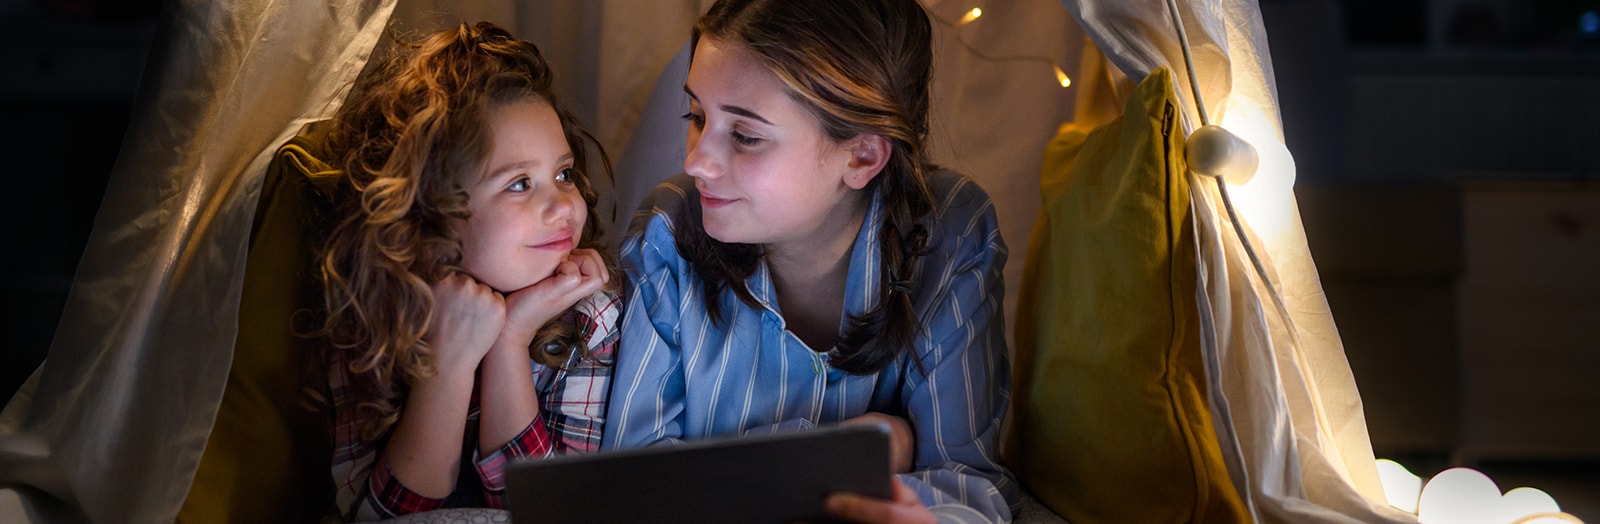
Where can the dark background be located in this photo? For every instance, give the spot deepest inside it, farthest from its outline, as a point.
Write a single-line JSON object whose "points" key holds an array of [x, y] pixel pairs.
{"points": [[71, 69]]}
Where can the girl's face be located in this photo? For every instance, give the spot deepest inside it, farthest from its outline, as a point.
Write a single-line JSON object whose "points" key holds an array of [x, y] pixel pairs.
{"points": [[766, 171], [527, 211]]}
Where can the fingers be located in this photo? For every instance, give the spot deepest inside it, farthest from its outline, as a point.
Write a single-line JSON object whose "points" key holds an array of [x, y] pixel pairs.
{"points": [[856, 508], [903, 494], [460, 294], [590, 264], [466, 316], [902, 439], [906, 507], [582, 274]]}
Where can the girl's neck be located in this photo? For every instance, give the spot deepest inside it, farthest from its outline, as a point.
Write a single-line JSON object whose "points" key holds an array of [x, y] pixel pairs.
{"points": [[810, 278], [821, 256]]}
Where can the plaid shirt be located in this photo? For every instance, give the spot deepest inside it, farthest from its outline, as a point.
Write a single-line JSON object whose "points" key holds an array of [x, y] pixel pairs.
{"points": [[571, 419]]}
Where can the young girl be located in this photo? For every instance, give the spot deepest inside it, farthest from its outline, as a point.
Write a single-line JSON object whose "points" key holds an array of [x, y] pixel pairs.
{"points": [[469, 330], [812, 268]]}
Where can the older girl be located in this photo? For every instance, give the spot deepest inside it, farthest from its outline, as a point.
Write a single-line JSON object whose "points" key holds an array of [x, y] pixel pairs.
{"points": [[812, 267], [469, 330]]}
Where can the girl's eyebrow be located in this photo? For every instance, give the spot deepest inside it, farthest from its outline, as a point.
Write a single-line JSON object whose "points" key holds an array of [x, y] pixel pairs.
{"points": [[732, 109], [514, 166], [525, 164]]}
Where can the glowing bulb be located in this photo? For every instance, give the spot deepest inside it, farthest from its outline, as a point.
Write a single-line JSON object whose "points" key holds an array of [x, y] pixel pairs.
{"points": [[1213, 151], [1400, 485], [1266, 200], [970, 16], [1458, 495], [1061, 76], [1521, 503]]}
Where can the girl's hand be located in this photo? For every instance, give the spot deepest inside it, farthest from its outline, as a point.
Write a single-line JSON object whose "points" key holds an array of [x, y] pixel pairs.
{"points": [[902, 441], [467, 315], [906, 507], [581, 275]]}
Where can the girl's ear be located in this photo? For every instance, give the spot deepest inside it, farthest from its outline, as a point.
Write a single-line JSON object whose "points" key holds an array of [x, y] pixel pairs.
{"points": [[868, 155]]}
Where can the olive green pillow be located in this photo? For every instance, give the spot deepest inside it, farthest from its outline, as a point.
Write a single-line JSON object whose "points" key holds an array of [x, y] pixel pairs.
{"points": [[1111, 422], [267, 458]]}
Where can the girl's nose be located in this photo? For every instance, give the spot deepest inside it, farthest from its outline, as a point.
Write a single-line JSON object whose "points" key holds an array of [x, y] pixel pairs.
{"points": [[698, 162], [559, 208]]}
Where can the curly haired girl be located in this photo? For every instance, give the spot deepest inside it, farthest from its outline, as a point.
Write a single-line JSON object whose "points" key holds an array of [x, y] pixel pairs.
{"points": [[468, 330]]}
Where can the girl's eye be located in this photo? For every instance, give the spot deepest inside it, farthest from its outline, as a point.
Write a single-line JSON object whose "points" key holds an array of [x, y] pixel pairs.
{"points": [[518, 186], [698, 121], [743, 139], [566, 176]]}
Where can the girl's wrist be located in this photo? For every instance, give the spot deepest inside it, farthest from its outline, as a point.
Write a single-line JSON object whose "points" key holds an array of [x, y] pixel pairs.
{"points": [[520, 336], [512, 339], [510, 347], [454, 371]]}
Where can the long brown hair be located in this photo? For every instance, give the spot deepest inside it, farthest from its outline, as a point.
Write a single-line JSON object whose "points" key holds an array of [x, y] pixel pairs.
{"points": [[411, 135], [861, 67]]}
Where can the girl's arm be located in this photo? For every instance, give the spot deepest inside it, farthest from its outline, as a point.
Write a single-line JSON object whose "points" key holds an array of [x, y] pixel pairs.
{"points": [[423, 454], [509, 425], [508, 403], [956, 408]]}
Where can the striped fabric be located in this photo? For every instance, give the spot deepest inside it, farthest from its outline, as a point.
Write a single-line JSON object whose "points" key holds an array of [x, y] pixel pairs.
{"points": [[682, 377], [572, 407]]}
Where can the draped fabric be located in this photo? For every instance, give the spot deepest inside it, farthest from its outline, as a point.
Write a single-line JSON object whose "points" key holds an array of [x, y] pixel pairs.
{"points": [[1282, 392], [112, 426]]}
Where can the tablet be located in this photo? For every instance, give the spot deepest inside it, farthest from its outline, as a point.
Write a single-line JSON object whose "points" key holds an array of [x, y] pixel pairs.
{"points": [[775, 478]]}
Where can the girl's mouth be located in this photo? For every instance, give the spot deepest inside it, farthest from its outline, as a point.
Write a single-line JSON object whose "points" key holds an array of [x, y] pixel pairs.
{"points": [[561, 241], [711, 202]]}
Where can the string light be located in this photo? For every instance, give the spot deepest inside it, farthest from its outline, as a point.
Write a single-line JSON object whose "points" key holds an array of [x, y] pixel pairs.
{"points": [[1061, 76], [974, 14], [970, 16]]}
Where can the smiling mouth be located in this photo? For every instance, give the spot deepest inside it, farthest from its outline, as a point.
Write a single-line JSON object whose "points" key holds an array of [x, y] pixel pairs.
{"points": [[561, 241], [708, 201]]}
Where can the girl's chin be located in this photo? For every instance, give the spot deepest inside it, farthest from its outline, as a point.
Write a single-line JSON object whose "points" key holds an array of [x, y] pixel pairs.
{"points": [[718, 231]]}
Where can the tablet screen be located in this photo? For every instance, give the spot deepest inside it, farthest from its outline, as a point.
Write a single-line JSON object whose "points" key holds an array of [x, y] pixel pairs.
{"points": [[776, 478]]}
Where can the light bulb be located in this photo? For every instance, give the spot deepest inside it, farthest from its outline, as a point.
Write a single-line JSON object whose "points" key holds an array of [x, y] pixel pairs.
{"points": [[970, 16], [1400, 485], [1458, 495], [1061, 76], [1524, 502], [1213, 151]]}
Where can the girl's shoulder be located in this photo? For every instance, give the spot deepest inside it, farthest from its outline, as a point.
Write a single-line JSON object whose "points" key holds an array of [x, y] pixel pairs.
{"points": [[650, 242], [960, 206], [670, 199]]}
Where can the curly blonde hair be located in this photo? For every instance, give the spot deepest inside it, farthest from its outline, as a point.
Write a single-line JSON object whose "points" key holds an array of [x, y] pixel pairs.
{"points": [[411, 135]]}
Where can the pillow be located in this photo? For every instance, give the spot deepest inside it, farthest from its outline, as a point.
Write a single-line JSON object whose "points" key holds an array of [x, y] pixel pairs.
{"points": [[267, 458], [1111, 422]]}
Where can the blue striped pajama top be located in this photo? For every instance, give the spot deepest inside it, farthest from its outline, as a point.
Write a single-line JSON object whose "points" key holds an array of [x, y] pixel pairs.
{"points": [[679, 376]]}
